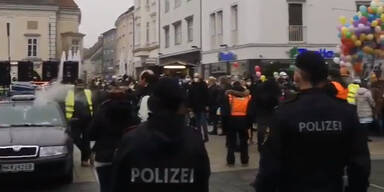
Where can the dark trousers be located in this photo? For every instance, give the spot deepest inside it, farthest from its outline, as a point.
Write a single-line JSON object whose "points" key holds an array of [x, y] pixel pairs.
{"points": [[82, 142], [261, 134], [202, 124], [213, 118], [366, 128], [238, 128], [104, 174]]}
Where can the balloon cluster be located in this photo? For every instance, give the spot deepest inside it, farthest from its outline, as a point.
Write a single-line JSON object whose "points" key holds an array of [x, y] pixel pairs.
{"points": [[361, 37], [258, 71]]}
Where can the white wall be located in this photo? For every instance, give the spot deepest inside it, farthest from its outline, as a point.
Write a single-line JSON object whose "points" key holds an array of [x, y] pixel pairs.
{"points": [[187, 9], [263, 26]]}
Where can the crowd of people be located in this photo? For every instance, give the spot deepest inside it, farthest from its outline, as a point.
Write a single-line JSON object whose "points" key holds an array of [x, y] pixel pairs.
{"points": [[150, 134]]}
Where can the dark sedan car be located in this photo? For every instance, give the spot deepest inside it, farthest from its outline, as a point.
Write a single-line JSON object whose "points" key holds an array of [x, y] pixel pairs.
{"points": [[34, 141]]}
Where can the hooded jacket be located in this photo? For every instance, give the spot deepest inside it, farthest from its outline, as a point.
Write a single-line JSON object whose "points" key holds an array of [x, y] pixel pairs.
{"points": [[107, 128], [162, 155], [365, 103]]}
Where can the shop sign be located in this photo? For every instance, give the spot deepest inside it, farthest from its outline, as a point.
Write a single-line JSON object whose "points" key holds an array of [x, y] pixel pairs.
{"points": [[227, 56]]}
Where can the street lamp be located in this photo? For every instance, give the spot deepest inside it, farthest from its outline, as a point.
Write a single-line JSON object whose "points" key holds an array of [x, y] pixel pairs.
{"points": [[224, 45], [195, 47]]}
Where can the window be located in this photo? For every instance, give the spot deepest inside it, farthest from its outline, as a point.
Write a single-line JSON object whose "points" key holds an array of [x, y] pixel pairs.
{"points": [[147, 33], [190, 28], [32, 47], [219, 29], [234, 23], [360, 3], [32, 25], [75, 46], [153, 31], [177, 3], [235, 18], [138, 35], [212, 24], [167, 6], [295, 14], [296, 29], [178, 37], [166, 33]]}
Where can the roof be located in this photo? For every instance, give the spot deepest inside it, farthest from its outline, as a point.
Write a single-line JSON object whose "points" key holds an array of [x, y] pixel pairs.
{"points": [[67, 4], [113, 30]]}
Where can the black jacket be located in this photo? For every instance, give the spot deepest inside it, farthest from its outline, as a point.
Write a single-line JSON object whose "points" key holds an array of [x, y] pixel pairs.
{"points": [[265, 98], [164, 148], [108, 125], [214, 95], [313, 138], [198, 96]]}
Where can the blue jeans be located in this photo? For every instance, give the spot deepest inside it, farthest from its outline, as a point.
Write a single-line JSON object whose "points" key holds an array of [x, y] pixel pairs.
{"points": [[202, 124]]}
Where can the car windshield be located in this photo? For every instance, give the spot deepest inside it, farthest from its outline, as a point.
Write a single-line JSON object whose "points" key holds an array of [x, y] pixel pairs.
{"points": [[30, 115]]}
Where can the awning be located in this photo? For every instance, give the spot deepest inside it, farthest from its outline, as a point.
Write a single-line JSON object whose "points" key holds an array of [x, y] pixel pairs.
{"points": [[177, 65]]}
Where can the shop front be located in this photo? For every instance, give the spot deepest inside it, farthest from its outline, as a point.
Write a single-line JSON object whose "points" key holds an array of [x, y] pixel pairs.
{"points": [[278, 59]]}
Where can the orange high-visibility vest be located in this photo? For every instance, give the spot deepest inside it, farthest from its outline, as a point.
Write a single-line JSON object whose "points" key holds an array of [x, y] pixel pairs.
{"points": [[342, 93], [239, 105]]}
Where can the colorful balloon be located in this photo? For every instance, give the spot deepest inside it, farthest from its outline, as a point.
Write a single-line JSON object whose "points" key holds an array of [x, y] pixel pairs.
{"points": [[363, 20], [363, 9], [343, 20], [358, 43], [370, 37]]}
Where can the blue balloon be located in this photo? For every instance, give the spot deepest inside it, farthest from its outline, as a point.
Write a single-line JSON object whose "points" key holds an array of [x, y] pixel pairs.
{"points": [[371, 17], [356, 18], [363, 9]]}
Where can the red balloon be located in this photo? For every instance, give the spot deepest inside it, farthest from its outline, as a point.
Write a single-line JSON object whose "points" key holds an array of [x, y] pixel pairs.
{"points": [[236, 64], [257, 68]]}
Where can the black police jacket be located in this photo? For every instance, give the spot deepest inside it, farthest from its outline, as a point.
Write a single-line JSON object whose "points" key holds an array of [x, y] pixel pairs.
{"points": [[162, 155], [311, 142]]}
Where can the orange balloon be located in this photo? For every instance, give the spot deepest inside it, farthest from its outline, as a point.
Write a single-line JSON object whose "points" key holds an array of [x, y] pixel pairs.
{"points": [[370, 10]]}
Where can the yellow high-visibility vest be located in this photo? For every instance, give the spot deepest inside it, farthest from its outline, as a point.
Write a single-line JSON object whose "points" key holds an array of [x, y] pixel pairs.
{"points": [[70, 102], [352, 90]]}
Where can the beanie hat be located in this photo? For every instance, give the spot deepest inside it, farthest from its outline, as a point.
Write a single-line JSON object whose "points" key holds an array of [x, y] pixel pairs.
{"points": [[313, 63], [167, 94]]}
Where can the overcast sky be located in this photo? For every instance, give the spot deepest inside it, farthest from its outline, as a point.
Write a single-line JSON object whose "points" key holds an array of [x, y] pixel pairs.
{"points": [[99, 16]]}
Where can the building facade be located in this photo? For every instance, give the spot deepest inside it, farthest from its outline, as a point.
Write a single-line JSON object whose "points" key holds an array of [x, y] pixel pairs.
{"points": [[110, 66], [125, 43], [39, 31], [240, 34], [93, 60], [146, 44], [180, 32]]}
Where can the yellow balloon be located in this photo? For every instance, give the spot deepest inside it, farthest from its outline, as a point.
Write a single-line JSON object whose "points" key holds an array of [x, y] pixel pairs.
{"points": [[374, 24], [363, 36], [344, 30], [382, 17], [343, 20], [358, 43], [380, 10], [370, 37], [354, 37]]}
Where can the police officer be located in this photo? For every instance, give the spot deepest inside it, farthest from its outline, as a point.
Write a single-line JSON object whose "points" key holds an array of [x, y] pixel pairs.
{"points": [[163, 154], [79, 112], [313, 139]]}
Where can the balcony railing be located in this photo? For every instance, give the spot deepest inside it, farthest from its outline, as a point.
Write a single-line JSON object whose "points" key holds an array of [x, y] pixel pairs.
{"points": [[296, 33]]}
